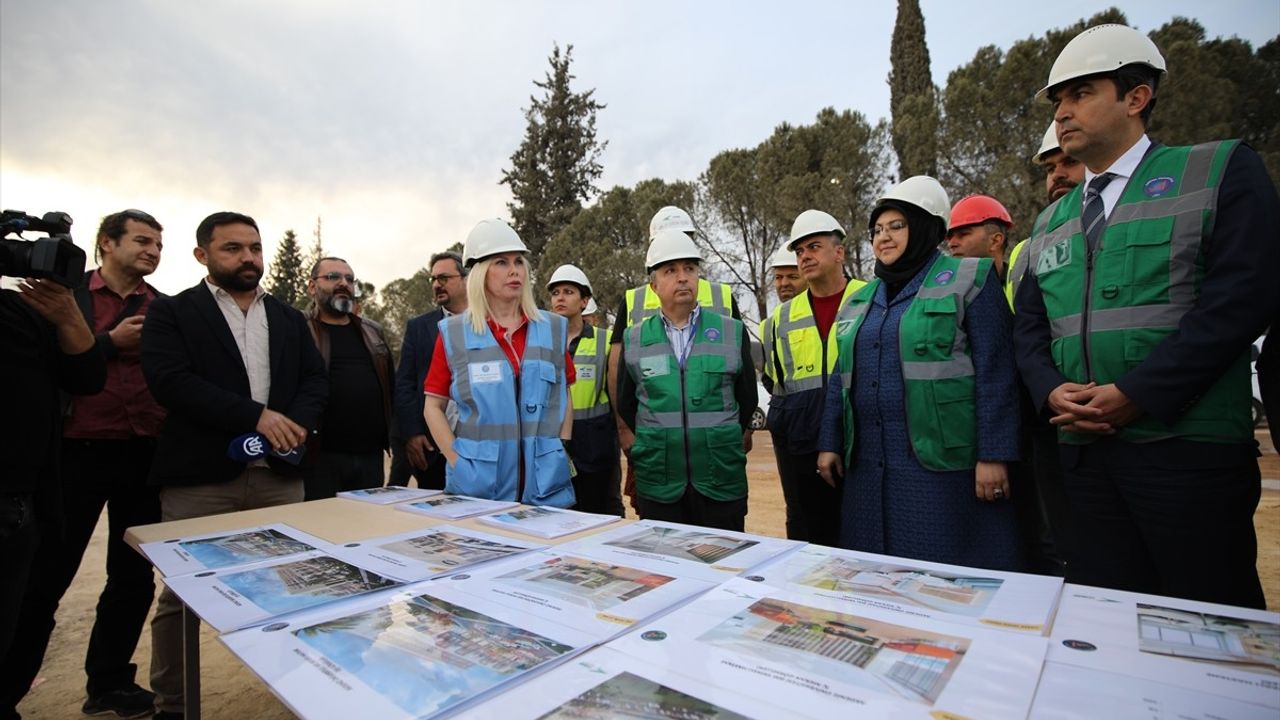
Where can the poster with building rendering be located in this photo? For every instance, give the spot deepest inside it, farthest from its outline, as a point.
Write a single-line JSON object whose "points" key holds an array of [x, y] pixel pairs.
{"points": [[1003, 600], [600, 598], [547, 522], [388, 494], [228, 548], [1071, 692], [604, 684], [454, 507], [1216, 649], [241, 596], [682, 550], [836, 660], [430, 552], [417, 653]]}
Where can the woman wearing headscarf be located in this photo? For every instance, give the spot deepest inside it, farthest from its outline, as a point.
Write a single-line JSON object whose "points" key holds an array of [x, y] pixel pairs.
{"points": [[924, 412], [505, 365]]}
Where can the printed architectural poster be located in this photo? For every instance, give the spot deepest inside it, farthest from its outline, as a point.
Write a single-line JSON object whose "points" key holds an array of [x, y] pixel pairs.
{"points": [[833, 660], [237, 597], [229, 548], [454, 507], [546, 522], [1216, 649], [682, 550], [410, 654], [1008, 601], [388, 494], [600, 598], [1069, 692], [440, 550], [604, 684]]}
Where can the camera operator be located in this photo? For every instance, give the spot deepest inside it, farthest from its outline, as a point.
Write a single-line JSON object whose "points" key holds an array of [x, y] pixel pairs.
{"points": [[48, 347]]}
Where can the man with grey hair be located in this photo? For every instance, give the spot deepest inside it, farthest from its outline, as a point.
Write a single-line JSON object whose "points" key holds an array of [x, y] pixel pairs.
{"points": [[347, 453], [449, 289]]}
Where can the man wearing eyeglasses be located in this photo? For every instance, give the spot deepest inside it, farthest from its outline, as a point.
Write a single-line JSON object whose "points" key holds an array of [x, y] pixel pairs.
{"points": [[108, 441], [348, 452], [449, 289]]}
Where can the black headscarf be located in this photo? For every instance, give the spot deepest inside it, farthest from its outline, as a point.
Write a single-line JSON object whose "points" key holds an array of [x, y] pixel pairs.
{"points": [[924, 233]]}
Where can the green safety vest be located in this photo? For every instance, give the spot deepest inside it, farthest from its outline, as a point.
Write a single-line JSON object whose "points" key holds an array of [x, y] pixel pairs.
{"points": [[590, 360], [687, 423], [716, 297], [1109, 311], [937, 369], [805, 359]]}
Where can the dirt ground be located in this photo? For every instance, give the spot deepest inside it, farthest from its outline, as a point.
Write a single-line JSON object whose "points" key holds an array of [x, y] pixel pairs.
{"points": [[230, 690]]}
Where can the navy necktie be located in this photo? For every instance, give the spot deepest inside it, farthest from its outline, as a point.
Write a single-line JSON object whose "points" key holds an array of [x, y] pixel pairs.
{"points": [[1094, 219]]}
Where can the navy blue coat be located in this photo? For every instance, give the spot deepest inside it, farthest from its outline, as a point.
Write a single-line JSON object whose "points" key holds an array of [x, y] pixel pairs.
{"points": [[419, 341], [891, 503]]}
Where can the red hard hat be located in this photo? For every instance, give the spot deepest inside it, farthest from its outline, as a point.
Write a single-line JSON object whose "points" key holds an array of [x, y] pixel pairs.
{"points": [[977, 209]]}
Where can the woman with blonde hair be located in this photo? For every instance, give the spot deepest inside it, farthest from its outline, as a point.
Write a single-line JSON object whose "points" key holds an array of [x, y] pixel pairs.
{"points": [[504, 364]]}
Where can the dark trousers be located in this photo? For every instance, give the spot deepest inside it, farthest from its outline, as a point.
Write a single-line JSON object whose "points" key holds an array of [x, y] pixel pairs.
{"points": [[1053, 509], [329, 473], [694, 508], [818, 503], [94, 473], [19, 536], [796, 529], [1168, 518], [599, 491]]}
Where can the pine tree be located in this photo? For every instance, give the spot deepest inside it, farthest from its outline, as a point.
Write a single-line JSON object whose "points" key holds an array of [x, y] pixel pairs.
{"points": [[912, 98], [316, 251], [287, 281], [554, 170]]}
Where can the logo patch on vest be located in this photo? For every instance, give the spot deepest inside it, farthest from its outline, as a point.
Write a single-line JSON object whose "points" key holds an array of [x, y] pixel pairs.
{"points": [[1156, 187], [943, 277], [486, 372], [654, 367], [1054, 257], [711, 334], [585, 372]]}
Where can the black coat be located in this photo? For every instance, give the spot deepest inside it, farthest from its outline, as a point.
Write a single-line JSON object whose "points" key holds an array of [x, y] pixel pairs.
{"points": [[194, 369], [419, 342]]}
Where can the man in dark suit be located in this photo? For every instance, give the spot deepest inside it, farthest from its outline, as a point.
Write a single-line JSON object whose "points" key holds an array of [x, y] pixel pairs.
{"points": [[224, 358], [449, 285]]}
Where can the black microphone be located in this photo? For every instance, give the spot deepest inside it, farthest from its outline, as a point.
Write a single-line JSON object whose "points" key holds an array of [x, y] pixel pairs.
{"points": [[254, 446]]}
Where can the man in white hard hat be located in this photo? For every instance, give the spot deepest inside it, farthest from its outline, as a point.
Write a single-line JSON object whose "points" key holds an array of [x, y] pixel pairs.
{"points": [[802, 356], [787, 281], [1062, 173], [686, 393], [594, 447], [1144, 290], [642, 302]]}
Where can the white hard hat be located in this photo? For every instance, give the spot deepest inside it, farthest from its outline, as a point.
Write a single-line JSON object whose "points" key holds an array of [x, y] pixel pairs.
{"points": [[570, 274], [813, 222], [1048, 144], [670, 218], [922, 191], [783, 258], [1102, 49], [670, 245], [490, 237], [591, 308]]}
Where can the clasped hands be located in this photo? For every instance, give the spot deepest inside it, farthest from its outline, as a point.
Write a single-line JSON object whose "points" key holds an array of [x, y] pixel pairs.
{"points": [[1093, 408]]}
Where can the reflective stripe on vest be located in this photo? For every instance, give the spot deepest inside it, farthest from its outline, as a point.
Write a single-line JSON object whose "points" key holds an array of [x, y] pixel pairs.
{"points": [[796, 328], [937, 370], [588, 391], [1017, 270], [716, 297], [1107, 313], [766, 352]]}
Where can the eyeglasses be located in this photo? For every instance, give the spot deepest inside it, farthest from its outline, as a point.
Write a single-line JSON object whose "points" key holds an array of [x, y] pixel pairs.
{"points": [[442, 279], [335, 277], [895, 226]]}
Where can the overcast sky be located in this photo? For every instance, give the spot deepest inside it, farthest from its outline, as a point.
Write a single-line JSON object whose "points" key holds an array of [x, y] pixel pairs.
{"points": [[393, 119]]}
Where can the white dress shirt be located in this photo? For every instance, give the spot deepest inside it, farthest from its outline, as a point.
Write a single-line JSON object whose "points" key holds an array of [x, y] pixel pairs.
{"points": [[1123, 169], [252, 335]]}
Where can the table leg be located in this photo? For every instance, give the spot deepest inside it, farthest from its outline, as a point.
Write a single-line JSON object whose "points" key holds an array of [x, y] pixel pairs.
{"points": [[190, 663]]}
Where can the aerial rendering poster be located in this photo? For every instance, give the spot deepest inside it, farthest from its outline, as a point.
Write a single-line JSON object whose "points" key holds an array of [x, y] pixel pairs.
{"points": [[604, 685], [242, 596], [440, 550], [816, 653], [682, 550], [1008, 601], [597, 597], [388, 494], [1228, 651], [1071, 692], [546, 522], [454, 507], [225, 549], [409, 654]]}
